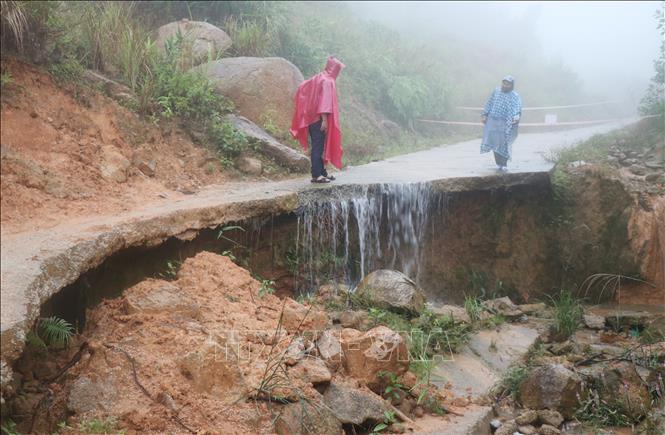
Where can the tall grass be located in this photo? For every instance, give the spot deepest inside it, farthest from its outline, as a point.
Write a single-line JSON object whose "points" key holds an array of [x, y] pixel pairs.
{"points": [[250, 38], [568, 312], [14, 18]]}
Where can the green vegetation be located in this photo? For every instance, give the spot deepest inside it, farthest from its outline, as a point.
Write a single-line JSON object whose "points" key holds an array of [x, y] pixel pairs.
{"points": [[5, 79], [98, 426], [598, 414], [387, 77], [474, 307], [171, 269], [653, 102], [49, 332], [267, 287], [8, 427], [567, 313]]}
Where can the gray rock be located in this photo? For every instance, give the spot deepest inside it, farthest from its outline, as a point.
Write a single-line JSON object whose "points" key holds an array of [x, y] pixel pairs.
{"points": [[260, 87], [295, 352], [495, 424], [152, 296], [249, 165], [532, 308], [330, 348], [551, 386], [503, 306], [457, 313], [148, 168], [309, 418], [527, 417], [527, 430], [114, 165], [270, 146], [637, 169], [201, 41], [87, 395], [621, 388], [507, 428], [553, 418], [546, 429], [311, 370], [593, 321], [113, 89], [652, 178], [353, 319], [392, 290], [352, 405]]}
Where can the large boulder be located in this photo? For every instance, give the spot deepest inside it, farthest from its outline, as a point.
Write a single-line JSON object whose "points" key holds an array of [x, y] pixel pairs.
{"points": [[552, 386], [260, 87], [353, 405], [368, 355], [270, 146], [303, 417], [201, 41], [392, 290], [622, 388]]}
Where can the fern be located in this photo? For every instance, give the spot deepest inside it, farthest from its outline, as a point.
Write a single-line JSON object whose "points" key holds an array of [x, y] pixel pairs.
{"points": [[55, 331]]}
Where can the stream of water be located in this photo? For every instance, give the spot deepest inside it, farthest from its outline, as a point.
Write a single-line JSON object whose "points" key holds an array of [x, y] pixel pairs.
{"points": [[342, 239]]}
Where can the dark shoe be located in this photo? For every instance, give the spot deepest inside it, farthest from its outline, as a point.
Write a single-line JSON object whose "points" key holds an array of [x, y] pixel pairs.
{"points": [[320, 180]]}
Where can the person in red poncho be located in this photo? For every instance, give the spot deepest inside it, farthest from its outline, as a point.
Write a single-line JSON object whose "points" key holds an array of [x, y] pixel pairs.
{"points": [[317, 116]]}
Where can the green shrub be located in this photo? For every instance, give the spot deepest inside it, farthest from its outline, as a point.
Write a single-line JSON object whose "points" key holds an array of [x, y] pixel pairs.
{"points": [[226, 138], [568, 313]]}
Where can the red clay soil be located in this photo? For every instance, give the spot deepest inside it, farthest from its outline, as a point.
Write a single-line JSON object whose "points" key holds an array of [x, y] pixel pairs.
{"points": [[52, 137]]}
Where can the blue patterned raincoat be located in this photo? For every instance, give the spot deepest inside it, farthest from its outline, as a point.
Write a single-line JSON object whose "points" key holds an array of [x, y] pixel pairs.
{"points": [[502, 110]]}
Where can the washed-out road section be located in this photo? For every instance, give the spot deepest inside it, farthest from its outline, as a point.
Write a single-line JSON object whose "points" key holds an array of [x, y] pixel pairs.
{"points": [[36, 265]]}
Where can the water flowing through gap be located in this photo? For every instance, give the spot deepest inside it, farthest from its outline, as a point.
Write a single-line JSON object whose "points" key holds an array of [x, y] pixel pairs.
{"points": [[343, 238]]}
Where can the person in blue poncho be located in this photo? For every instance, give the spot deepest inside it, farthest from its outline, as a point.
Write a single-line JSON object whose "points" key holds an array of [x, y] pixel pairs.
{"points": [[501, 117]]}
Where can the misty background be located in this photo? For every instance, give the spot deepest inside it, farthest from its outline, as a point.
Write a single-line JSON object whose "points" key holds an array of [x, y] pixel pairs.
{"points": [[609, 46]]}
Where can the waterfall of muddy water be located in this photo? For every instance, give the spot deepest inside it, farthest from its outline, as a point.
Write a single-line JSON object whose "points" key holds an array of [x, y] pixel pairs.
{"points": [[344, 237]]}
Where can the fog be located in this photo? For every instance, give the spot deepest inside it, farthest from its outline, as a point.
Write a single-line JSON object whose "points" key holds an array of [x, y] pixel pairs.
{"points": [[610, 46]]}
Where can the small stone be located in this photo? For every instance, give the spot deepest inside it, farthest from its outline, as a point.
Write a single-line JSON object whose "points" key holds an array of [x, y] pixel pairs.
{"points": [[295, 352], [527, 430], [504, 306], [532, 308], [652, 178], [312, 370], [552, 418], [495, 424], [527, 417], [148, 168], [546, 429], [637, 169], [354, 319], [508, 428], [352, 405], [249, 165], [594, 321], [397, 428], [419, 411], [33, 114]]}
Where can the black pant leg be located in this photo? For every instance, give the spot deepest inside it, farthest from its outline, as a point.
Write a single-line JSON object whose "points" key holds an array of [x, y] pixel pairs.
{"points": [[318, 140], [500, 160]]}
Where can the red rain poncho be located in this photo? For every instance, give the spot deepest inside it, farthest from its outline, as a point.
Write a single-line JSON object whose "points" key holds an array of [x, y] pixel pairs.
{"points": [[316, 96]]}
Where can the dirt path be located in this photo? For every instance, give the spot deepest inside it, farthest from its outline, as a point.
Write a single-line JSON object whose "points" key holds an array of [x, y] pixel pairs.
{"points": [[37, 264]]}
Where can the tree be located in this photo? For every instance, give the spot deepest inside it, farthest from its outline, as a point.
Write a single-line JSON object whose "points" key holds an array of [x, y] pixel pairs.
{"points": [[653, 102]]}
